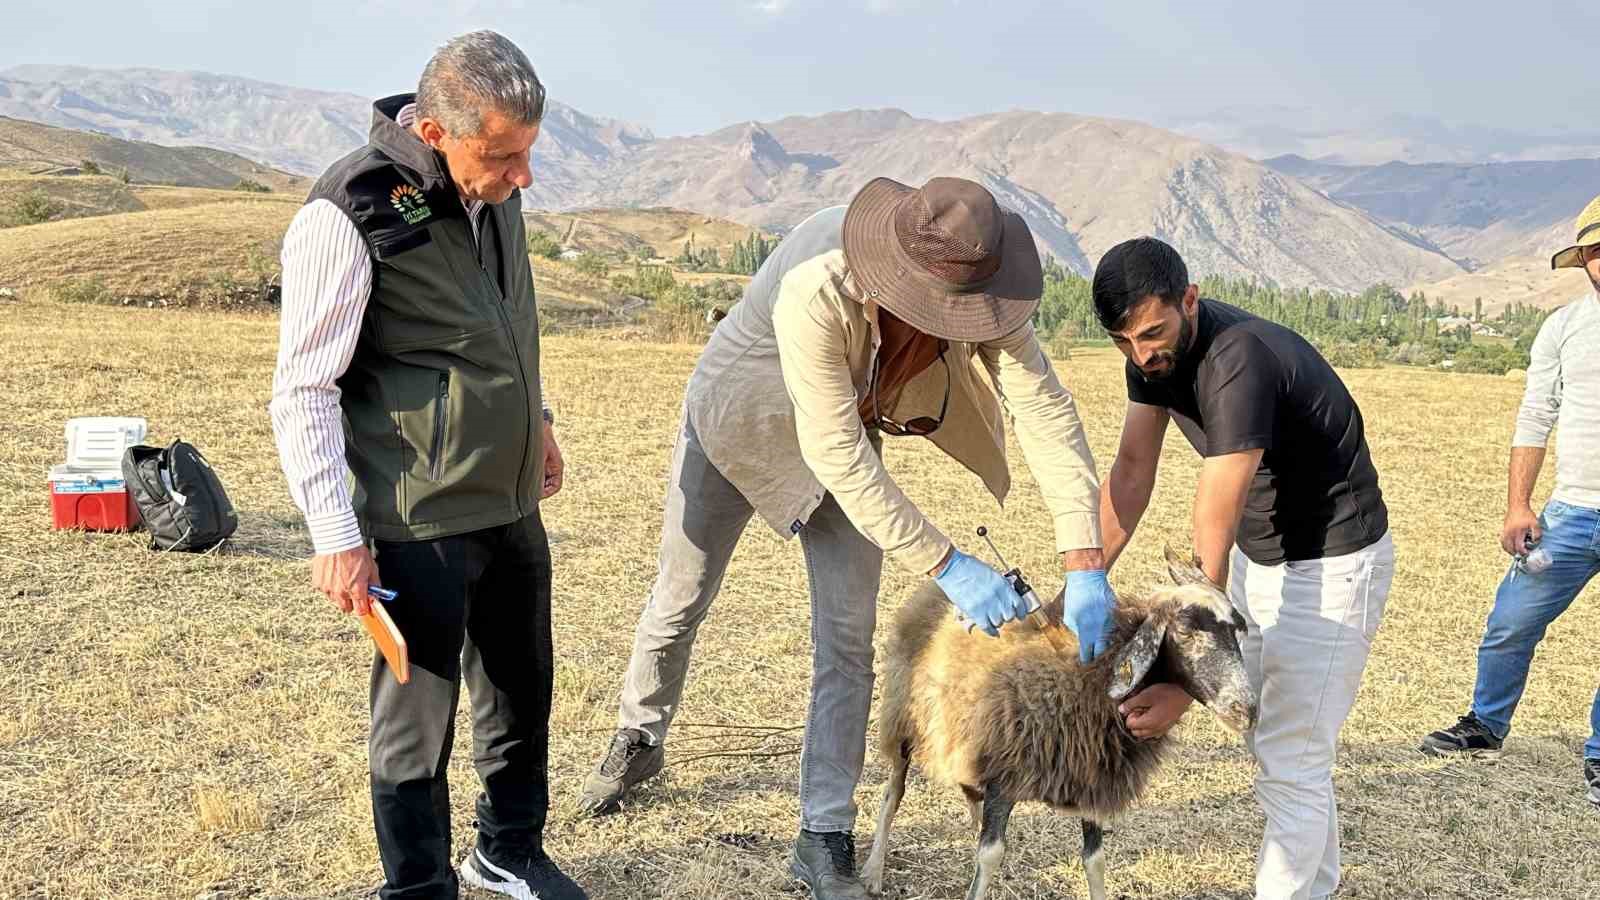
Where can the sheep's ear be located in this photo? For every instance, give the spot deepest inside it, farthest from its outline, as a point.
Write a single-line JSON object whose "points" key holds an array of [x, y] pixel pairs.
{"points": [[1185, 571], [1134, 660]]}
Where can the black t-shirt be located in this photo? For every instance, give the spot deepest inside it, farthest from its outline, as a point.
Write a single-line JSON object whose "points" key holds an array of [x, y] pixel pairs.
{"points": [[1248, 384]]}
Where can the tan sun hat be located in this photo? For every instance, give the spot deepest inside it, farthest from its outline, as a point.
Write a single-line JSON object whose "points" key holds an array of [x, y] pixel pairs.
{"points": [[944, 258], [1588, 236]]}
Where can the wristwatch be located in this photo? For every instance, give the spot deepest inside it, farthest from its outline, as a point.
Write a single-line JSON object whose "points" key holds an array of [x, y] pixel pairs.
{"points": [[549, 416]]}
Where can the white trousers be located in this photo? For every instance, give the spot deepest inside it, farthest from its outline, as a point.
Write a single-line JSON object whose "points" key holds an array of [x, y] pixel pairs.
{"points": [[1311, 625]]}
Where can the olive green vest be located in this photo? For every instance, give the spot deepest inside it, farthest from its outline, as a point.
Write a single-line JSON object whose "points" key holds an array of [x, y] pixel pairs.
{"points": [[441, 399]]}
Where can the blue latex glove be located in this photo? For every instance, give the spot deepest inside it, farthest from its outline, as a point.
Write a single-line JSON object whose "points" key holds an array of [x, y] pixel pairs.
{"points": [[982, 594], [1087, 601]]}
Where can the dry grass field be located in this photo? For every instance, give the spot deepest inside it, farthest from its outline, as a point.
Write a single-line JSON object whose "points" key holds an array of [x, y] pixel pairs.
{"points": [[182, 726], [72, 198], [154, 252], [155, 245]]}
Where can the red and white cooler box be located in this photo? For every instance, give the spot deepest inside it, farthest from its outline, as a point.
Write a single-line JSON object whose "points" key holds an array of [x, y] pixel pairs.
{"points": [[87, 491]]}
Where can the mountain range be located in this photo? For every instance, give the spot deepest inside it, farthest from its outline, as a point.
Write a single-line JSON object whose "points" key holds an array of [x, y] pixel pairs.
{"points": [[1357, 137], [1084, 183]]}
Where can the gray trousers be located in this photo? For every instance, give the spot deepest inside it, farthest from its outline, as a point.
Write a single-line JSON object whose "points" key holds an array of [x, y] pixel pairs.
{"points": [[705, 515]]}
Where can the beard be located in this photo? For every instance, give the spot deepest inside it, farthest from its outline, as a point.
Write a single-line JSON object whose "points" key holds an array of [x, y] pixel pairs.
{"points": [[1167, 363]]}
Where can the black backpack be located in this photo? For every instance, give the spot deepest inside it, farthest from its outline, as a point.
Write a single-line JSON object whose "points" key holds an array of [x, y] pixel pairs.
{"points": [[202, 519]]}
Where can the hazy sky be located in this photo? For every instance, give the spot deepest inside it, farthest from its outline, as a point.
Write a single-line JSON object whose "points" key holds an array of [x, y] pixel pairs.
{"points": [[682, 67]]}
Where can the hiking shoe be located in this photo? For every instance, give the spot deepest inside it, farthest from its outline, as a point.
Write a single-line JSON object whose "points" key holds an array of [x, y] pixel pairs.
{"points": [[629, 761], [533, 878], [1468, 737], [1591, 774], [826, 862]]}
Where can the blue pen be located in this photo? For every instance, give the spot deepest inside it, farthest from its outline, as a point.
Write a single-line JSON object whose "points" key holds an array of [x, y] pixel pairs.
{"points": [[383, 594]]}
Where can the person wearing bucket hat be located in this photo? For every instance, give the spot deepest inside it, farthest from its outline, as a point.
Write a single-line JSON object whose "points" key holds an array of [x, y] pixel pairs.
{"points": [[1553, 554], [870, 319]]}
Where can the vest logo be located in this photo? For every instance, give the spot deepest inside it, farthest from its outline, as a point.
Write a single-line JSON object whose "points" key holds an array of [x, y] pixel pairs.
{"points": [[409, 202]]}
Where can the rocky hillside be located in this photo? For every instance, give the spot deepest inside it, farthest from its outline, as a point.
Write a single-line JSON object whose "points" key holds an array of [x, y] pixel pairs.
{"points": [[45, 150], [296, 129], [1479, 213], [1083, 183]]}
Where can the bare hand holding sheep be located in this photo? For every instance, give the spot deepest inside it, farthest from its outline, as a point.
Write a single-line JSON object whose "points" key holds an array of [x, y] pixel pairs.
{"points": [[1153, 711]]}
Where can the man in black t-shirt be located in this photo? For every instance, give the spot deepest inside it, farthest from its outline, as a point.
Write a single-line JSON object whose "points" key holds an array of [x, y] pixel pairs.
{"points": [[1288, 505]]}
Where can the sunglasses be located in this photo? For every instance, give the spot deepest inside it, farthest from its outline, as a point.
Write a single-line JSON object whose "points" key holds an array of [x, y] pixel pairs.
{"points": [[921, 426]]}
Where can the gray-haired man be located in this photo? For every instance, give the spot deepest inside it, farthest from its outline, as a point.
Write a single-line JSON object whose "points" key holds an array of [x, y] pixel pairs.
{"points": [[408, 313]]}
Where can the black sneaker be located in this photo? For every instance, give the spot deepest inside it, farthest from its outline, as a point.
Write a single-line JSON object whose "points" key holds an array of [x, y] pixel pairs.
{"points": [[1467, 737], [629, 761], [534, 878], [826, 862], [1591, 774]]}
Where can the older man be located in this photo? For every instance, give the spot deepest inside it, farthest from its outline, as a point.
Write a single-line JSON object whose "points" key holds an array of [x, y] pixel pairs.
{"points": [[408, 313], [1288, 515], [867, 320], [1563, 387]]}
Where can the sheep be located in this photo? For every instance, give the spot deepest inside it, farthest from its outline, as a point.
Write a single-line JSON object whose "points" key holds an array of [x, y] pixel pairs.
{"points": [[1012, 719]]}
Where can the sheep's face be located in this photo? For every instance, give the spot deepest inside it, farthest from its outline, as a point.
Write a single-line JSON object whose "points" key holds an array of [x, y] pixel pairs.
{"points": [[1195, 632], [1202, 651]]}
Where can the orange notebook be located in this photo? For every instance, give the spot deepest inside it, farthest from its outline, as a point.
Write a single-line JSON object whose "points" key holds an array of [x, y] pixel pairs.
{"points": [[391, 643]]}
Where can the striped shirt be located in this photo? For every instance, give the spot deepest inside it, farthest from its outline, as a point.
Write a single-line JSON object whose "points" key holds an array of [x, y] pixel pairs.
{"points": [[327, 280], [1564, 390]]}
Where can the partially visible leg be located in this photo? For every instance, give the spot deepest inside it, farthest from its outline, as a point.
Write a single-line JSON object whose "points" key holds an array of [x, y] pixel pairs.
{"points": [[509, 669], [842, 568], [991, 842], [1591, 754], [702, 522], [1094, 860], [1524, 607], [872, 872], [413, 724], [1317, 632], [974, 806], [1329, 870]]}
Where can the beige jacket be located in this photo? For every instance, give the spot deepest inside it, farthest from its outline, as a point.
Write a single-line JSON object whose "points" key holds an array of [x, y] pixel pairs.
{"points": [[773, 403]]}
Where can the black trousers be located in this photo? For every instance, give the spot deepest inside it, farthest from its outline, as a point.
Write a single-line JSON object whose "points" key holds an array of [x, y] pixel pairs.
{"points": [[473, 607]]}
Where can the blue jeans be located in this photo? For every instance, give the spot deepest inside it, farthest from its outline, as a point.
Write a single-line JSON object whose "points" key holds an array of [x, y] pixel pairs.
{"points": [[1525, 606]]}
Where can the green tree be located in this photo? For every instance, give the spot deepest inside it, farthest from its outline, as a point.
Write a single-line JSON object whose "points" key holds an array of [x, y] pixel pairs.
{"points": [[749, 254], [543, 244], [592, 265], [652, 282], [35, 207]]}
